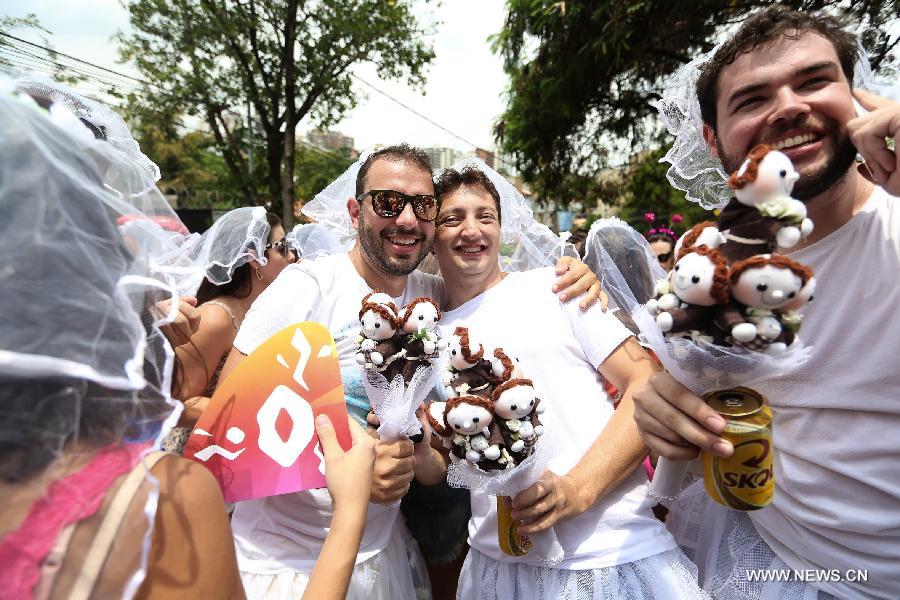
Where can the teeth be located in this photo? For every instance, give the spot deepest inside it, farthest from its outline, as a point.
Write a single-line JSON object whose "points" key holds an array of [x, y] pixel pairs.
{"points": [[403, 241], [471, 249], [794, 141]]}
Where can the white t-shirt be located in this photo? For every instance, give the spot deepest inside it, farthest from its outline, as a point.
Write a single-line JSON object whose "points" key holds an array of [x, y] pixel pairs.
{"points": [[560, 348], [288, 531], [837, 427]]}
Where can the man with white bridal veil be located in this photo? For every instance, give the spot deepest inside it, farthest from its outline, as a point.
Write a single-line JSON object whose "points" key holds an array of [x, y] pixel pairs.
{"points": [[381, 213], [786, 78]]}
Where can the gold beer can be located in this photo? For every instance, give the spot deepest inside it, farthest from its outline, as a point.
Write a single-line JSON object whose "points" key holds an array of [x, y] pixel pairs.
{"points": [[511, 541], [746, 479]]}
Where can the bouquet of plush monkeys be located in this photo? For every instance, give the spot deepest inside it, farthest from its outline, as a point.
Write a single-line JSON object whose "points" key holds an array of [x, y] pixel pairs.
{"points": [[399, 351], [728, 287], [728, 309], [397, 342], [491, 424], [491, 417]]}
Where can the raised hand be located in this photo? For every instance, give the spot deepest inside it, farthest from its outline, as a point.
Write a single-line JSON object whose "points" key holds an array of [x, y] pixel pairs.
{"points": [[348, 474], [870, 133]]}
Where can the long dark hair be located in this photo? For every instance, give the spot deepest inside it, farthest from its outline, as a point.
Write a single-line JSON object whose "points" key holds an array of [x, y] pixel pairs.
{"points": [[239, 286], [41, 415]]}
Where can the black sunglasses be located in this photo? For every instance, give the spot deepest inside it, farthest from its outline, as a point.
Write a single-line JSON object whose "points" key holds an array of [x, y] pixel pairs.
{"points": [[390, 203], [282, 246], [664, 257]]}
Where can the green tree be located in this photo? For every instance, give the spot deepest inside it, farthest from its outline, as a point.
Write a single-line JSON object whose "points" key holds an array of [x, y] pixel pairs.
{"points": [[286, 59], [317, 168], [646, 189], [583, 72]]}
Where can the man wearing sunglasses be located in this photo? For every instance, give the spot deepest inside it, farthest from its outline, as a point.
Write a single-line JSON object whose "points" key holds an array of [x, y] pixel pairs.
{"points": [[391, 204]]}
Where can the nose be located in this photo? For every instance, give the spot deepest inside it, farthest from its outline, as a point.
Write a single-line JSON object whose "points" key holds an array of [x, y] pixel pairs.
{"points": [[467, 425], [470, 228], [777, 295], [407, 218], [787, 106]]}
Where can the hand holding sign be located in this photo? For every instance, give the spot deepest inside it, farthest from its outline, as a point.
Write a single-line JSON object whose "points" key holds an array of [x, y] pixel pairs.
{"points": [[257, 435], [349, 473]]}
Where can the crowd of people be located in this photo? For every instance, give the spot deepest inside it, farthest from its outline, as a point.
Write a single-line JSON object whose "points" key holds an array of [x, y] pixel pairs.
{"points": [[118, 326]]}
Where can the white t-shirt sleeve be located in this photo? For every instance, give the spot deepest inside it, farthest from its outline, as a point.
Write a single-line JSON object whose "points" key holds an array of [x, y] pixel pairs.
{"points": [[598, 333], [290, 299]]}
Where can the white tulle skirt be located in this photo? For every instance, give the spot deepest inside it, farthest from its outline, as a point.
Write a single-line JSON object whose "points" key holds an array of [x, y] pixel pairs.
{"points": [[396, 573], [725, 546], [665, 576]]}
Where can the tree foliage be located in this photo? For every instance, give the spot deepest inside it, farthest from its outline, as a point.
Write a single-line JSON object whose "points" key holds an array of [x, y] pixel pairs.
{"points": [[646, 189], [317, 168], [286, 59], [583, 72]]}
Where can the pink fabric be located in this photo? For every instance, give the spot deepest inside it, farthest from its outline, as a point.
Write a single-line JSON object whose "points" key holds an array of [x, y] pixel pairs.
{"points": [[70, 499]]}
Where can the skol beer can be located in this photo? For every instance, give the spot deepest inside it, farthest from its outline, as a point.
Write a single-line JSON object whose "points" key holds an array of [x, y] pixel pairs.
{"points": [[746, 479], [511, 541]]}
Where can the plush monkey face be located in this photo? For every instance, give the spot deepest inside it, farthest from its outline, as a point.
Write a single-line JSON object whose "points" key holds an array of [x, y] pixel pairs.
{"points": [[692, 279], [468, 419], [422, 315], [767, 287], [454, 348], [515, 403], [776, 177], [376, 327]]}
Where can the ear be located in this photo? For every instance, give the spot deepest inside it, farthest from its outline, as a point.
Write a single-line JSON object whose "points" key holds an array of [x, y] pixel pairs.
{"points": [[709, 136], [353, 209]]}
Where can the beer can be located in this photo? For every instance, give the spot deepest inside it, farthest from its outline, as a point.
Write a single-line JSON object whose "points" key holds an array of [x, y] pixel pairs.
{"points": [[511, 541], [746, 479]]}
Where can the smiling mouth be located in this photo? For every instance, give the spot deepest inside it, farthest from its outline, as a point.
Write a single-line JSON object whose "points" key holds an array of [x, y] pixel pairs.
{"points": [[797, 140], [403, 241], [472, 249]]}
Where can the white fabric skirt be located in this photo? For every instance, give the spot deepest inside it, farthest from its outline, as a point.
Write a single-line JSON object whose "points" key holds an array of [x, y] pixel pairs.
{"points": [[396, 573], [665, 576], [724, 545]]}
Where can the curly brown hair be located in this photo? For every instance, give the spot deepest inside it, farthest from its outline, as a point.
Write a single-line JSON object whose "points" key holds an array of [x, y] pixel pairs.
{"points": [[508, 385], [451, 179], [719, 289], [738, 181], [690, 238], [366, 299], [776, 260], [766, 26], [463, 334], [383, 311], [481, 401], [440, 427], [419, 300], [507, 363]]}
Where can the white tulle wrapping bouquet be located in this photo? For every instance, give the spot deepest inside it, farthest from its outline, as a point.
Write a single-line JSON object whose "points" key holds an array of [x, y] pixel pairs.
{"points": [[498, 445], [399, 351]]}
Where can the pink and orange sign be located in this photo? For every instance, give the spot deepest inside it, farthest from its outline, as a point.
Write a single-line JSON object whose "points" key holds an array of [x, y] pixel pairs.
{"points": [[258, 435]]}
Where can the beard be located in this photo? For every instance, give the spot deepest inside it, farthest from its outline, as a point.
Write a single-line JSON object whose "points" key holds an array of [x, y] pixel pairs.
{"points": [[811, 184], [371, 243]]}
